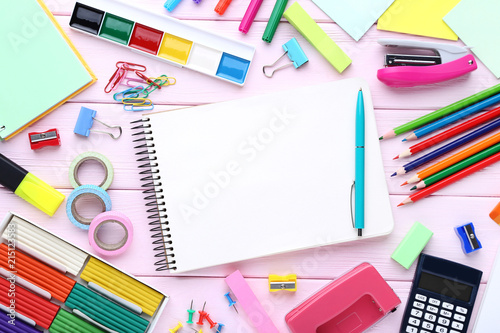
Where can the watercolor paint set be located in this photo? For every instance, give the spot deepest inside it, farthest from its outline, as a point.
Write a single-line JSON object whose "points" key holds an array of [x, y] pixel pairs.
{"points": [[61, 288], [164, 38]]}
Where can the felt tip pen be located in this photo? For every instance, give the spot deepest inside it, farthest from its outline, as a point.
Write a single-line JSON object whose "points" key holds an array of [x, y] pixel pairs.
{"points": [[359, 180], [222, 6], [274, 20], [171, 4], [249, 16], [29, 187]]}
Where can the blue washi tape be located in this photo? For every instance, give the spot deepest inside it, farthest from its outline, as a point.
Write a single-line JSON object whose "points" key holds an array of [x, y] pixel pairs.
{"points": [[81, 192]]}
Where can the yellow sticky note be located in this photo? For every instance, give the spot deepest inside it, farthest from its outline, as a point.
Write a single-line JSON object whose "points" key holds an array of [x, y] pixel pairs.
{"points": [[419, 17]]}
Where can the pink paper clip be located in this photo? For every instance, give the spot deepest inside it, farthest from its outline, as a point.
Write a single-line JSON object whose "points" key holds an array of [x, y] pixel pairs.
{"points": [[131, 66], [115, 80], [132, 81]]}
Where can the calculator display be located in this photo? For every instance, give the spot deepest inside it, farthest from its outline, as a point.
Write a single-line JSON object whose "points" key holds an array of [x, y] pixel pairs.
{"points": [[449, 288]]}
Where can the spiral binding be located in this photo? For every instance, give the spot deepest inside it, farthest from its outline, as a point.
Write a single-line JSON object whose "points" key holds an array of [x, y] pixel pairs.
{"points": [[153, 188]]}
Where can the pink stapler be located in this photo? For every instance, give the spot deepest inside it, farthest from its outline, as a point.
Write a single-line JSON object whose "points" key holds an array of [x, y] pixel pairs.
{"points": [[406, 70], [350, 304]]}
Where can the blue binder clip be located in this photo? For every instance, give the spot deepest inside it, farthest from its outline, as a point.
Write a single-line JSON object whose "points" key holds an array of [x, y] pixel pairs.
{"points": [[294, 52], [86, 121], [468, 237]]}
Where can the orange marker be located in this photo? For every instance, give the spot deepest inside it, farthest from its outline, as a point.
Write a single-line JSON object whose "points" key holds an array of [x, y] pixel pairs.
{"points": [[222, 6], [494, 139]]}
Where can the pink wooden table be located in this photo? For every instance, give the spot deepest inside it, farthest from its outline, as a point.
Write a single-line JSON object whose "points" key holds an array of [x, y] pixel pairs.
{"points": [[469, 200]]}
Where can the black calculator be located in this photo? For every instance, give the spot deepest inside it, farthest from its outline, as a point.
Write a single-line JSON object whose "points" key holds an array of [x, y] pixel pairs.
{"points": [[441, 297]]}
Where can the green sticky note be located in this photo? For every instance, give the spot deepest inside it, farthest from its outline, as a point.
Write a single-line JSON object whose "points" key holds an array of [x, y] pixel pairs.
{"points": [[311, 31], [412, 244]]}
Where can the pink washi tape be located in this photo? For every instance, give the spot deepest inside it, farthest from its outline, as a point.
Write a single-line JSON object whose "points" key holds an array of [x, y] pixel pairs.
{"points": [[107, 249], [250, 303]]}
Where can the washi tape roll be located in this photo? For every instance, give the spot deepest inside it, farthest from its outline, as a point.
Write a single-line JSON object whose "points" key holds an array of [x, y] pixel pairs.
{"points": [[107, 249], [82, 192], [88, 156]]}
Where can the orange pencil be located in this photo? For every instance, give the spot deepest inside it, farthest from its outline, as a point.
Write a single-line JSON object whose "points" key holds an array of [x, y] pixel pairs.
{"points": [[481, 145], [451, 179]]}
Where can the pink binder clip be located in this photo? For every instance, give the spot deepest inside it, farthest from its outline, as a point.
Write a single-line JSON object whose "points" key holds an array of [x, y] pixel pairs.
{"points": [[404, 70]]}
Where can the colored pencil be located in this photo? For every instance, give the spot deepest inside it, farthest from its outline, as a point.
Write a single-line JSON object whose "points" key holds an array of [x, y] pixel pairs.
{"points": [[481, 145], [438, 124], [447, 148], [457, 167], [463, 103], [451, 179], [465, 126]]}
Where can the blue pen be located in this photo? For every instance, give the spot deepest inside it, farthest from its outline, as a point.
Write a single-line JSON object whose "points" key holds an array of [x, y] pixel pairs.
{"points": [[446, 148], [359, 178], [453, 117], [171, 4]]}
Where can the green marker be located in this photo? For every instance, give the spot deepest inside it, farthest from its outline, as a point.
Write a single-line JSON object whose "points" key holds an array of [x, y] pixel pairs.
{"points": [[458, 166], [430, 117], [274, 20]]}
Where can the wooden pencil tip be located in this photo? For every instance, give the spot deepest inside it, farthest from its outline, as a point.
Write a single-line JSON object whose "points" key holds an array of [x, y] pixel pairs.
{"points": [[395, 173], [395, 158], [403, 140], [405, 183], [401, 204], [413, 188], [381, 138]]}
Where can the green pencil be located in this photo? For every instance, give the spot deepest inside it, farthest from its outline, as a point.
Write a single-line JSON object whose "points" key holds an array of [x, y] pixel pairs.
{"points": [[457, 166], [463, 103]]}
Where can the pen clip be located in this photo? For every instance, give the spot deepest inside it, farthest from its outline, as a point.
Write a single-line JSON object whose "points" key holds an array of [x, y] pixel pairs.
{"points": [[350, 202]]}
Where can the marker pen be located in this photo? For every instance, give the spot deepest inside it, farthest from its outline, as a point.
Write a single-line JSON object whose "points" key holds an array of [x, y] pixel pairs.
{"points": [[29, 187]]}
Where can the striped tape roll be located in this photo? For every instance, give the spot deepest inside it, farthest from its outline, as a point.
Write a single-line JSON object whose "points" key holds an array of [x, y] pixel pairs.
{"points": [[105, 311], [41, 275], [66, 322], [28, 304], [122, 285], [38, 240]]}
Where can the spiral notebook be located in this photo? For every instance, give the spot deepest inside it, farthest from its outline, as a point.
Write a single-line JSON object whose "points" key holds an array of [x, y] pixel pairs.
{"points": [[259, 176]]}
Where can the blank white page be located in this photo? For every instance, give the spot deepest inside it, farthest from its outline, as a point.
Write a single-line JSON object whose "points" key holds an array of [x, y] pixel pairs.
{"points": [[267, 174]]}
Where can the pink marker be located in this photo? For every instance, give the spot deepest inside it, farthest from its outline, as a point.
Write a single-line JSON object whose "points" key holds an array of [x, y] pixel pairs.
{"points": [[250, 14]]}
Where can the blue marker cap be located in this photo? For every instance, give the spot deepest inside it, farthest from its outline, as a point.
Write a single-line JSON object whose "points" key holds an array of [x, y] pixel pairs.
{"points": [[295, 53], [171, 4]]}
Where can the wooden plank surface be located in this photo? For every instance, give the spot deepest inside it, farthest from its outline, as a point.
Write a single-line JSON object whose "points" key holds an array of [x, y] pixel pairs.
{"points": [[469, 200]]}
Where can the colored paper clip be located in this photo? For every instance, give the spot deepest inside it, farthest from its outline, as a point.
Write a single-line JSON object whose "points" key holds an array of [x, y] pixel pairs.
{"points": [[468, 237], [44, 139], [137, 104], [115, 80], [128, 93], [287, 282], [294, 52], [86, 121], [406, 70], [145, 78], [129, 66]]}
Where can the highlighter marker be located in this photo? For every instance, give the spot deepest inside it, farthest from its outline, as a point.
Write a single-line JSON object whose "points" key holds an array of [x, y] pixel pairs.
{"points": [[29, 187]]}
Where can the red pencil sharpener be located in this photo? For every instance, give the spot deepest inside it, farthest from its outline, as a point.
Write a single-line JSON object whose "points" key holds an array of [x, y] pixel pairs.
{"points": [[44, 139]]}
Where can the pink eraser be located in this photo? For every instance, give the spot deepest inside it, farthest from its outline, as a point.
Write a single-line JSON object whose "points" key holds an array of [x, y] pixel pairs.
{"points": [[250, 303]]}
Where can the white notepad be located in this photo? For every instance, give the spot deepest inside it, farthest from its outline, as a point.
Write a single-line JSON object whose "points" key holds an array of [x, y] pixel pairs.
{"points": [[263, 175]]}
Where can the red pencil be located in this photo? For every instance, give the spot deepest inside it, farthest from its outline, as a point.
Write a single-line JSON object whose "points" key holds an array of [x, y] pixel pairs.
{"points": [[451, 179], [450, 133]]}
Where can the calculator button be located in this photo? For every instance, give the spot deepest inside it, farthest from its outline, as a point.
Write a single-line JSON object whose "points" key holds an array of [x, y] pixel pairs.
{"points": [[459, 317], [457, 326], [448, 306], [446, 313], [441, 329], [410, 329], [443, 321], [461, 310], [418, 305], [434, 301], [430, 317], [414, 321], [416, 313], [432, 309], [427, 326], [421, 297]]}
